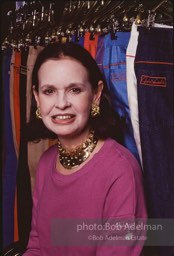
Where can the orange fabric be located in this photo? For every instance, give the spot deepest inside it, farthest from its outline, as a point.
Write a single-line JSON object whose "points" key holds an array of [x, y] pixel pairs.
{"points": [[156, 62], [52, 142], [35, 150], [91, 45], [16, 231], [16, 98]]}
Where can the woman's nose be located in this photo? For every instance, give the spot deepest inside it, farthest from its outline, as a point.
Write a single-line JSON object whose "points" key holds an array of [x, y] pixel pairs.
{"points": [[62, 102]]}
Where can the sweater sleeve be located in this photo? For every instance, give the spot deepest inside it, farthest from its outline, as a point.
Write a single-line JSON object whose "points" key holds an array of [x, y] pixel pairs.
{"points": [[124, 207], [33, 247]]}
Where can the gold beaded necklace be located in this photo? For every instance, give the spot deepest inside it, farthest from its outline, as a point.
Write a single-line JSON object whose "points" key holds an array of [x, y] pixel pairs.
{"points": [[73, 158]]}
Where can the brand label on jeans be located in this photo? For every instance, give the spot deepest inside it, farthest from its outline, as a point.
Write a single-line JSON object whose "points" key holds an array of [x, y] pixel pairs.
{"points": [[159, 81]]}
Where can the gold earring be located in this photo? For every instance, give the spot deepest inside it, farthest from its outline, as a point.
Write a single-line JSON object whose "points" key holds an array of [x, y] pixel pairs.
{"points": [[95, 110], [38, 114]]}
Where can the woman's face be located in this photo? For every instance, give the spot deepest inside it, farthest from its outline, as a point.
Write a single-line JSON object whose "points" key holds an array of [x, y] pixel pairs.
{"points": [[65, 96]]}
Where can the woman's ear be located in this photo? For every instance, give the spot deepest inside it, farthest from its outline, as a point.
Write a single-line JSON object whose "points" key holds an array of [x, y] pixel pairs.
{"points": [[98, 92], [36, 95]]}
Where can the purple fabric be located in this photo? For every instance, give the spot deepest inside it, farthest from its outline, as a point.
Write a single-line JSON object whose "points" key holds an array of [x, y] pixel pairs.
{"points": [[108, 186]]}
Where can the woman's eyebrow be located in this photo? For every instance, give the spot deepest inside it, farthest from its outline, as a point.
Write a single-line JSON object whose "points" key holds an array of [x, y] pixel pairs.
{"points": [[76, 84], [67, 86], [46, 86]]}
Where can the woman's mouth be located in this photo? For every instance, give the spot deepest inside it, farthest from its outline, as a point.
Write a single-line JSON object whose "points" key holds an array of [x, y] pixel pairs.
{"points": [[63, 119]]}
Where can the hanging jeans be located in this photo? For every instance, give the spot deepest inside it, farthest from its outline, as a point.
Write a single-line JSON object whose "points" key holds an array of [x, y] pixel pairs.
{"points": [[132, 82], [9, 157], [100, 52], [154, 72], [114, 66], [24, 199], [16, 100], [91, 45], [80, 40], [132, 86], [11, 88]]}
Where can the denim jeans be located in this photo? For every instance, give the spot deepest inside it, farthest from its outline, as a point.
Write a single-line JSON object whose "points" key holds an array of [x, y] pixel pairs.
{"points": [[154, 72], [114, 66], [100, 52], [9, 157], [132, 86]]}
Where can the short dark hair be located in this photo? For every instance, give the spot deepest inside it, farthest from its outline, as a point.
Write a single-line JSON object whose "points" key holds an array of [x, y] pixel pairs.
{"points": [[107, 124]]}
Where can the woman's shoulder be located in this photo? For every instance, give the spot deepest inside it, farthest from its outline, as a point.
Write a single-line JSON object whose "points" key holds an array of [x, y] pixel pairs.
{"points": [[124, 176], [115, 149], [47, 159], [119, 157], [49, 154], [44, 166]]}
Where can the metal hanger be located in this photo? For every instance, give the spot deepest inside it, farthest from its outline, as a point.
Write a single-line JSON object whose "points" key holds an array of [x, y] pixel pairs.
{"points": [[34, 23]]}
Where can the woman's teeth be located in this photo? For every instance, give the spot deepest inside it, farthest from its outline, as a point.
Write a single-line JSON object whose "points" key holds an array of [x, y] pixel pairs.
{"points": [[62, 117]]}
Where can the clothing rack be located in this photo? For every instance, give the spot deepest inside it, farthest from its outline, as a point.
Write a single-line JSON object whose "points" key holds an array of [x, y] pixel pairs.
{"points": [[43, 22], [39, 23]]}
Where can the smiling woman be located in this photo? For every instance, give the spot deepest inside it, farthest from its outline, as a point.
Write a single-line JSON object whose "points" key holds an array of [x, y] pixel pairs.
{"points": [[65, 97], [55, 60], [88, 175]]}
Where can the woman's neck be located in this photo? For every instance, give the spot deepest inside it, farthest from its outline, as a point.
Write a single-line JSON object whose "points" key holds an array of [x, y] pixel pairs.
{"points": [[73, 141]]}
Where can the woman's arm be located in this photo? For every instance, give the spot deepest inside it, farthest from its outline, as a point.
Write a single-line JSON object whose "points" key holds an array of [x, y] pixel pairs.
{"points": [[124, 209], [33, 247]]}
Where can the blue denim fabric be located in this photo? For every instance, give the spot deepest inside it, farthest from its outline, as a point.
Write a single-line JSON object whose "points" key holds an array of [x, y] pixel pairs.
{"points": [[10, 160], [154, 72], [114, 67], [156, 116], [80, 42]]}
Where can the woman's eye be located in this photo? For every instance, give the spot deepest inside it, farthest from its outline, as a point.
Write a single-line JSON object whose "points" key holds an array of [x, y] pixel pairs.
{"points": [[75, 90], [48, 91]]}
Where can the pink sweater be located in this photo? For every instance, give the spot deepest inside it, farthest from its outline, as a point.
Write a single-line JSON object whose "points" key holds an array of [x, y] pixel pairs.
{"points": [[107, 188]]}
